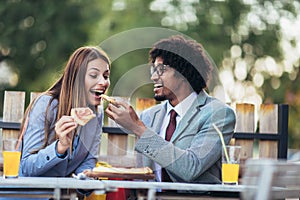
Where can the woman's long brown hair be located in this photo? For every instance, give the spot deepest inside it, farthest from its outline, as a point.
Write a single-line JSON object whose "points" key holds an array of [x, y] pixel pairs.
{"points": [[69, 89]]}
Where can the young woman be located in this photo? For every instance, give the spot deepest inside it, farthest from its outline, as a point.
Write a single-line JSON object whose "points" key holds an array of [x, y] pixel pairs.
{"points": [[53, 143]]}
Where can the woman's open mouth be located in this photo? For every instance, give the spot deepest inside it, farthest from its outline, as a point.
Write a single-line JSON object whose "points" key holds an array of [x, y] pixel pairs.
{"points": [[97, 93]]}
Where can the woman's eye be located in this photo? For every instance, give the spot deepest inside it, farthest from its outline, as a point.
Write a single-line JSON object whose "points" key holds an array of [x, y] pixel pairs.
{"points": [[93, 75]]}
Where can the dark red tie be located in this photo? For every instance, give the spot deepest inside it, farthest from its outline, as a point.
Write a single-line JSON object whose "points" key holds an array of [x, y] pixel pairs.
{"points": [[172, 125], [169, 132]]}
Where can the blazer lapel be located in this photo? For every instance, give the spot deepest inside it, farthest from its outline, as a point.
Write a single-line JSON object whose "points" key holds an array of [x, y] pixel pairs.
{"points": [[190, 114], [158, 118]]}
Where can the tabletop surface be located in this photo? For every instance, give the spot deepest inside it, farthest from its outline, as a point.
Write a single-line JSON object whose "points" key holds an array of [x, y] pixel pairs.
{"points": [[72, 183], [50, 182], [174, 186]]}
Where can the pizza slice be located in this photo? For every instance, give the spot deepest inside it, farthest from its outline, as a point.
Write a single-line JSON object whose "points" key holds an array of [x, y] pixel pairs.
{"points": [[82, 115], [108, 99]]}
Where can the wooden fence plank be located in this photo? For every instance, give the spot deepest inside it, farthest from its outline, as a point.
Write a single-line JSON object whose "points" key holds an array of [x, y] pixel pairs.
{"points": [[34, 95], [245, 123], [268, 118], [13, 111], [144, 103], [117, 144]]}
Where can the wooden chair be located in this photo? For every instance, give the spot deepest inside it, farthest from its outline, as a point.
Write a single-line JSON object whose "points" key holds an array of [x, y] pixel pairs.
{"points": [[267, 179]]}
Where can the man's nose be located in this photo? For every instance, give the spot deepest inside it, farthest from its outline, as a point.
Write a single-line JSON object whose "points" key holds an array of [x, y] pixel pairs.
{"points": [[154, 76]]}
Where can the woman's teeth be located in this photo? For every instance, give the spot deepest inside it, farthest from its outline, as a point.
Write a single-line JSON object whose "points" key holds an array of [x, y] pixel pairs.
{"points": [[98, 92]]}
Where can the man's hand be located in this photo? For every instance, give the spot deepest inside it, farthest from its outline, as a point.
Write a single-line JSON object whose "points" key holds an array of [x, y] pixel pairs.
{"points": [[125, 115]]}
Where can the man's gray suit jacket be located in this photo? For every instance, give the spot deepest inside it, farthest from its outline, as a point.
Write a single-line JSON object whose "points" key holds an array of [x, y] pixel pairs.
{"points": [[194, 151]]}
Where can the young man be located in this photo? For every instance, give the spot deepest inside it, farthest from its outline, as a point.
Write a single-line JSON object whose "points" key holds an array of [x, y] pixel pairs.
{"points": [[189, 149]]}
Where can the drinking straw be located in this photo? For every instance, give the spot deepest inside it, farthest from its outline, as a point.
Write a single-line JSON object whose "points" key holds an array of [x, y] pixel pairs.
{"points": [[222, 140]]}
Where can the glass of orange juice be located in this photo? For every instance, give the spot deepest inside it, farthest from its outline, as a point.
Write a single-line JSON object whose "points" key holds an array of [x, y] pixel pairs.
{"points": [[231, 164], [11, 158]]}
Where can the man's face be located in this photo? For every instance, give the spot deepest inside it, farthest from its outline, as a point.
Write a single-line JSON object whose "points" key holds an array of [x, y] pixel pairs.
{"points": [[165, 81]]}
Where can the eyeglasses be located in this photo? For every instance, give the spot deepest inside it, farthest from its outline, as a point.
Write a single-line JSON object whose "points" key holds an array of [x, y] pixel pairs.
{"points": [[159, 69]]}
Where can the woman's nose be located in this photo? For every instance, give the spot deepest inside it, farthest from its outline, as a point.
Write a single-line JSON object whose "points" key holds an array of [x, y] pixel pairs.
{"points": [[103, 81]]}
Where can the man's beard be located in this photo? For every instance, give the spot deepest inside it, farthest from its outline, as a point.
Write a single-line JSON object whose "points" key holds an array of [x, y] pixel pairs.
{"points": [[160, 97]]}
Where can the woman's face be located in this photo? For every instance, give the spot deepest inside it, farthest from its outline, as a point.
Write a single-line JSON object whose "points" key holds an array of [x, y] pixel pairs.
{"points": [[96, 80]]}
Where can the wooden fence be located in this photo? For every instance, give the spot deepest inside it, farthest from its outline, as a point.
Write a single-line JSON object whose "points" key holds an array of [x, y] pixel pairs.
{"points": [[262, 132]]}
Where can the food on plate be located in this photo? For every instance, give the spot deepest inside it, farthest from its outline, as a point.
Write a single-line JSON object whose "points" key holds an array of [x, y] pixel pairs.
{"points": [[108, 99], [103, 164], [82, 115], [121, 170]]}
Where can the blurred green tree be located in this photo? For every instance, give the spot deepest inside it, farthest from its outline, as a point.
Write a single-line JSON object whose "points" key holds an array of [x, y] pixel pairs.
{"points": [[36, 37]]}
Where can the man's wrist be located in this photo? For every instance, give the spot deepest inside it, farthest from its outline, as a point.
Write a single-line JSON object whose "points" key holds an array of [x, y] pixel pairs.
{"points": [[140, 129]]}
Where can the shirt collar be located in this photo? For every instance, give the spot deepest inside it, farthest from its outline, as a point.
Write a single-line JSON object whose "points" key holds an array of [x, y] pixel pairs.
{"points": [[183, 106]]}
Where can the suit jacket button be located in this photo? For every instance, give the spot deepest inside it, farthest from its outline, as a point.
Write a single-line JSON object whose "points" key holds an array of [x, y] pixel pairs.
{"points": [[47, 158]]}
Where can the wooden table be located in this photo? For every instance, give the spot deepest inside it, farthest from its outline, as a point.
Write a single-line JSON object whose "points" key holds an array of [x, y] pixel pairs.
{"points": [[53, 187]]}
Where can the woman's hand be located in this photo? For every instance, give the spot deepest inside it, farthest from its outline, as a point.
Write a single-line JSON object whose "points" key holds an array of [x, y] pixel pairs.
{"points": [[125, 115], [64, 128]]}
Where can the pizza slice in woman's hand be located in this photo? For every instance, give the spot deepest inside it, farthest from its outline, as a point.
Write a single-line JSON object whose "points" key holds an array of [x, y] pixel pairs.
{"points": [[82, 115]]}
